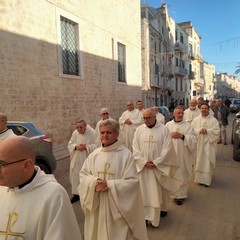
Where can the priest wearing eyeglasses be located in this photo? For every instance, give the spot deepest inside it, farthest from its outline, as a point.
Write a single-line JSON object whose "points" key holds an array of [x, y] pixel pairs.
{"points": [[32, 204], [104, 114]]}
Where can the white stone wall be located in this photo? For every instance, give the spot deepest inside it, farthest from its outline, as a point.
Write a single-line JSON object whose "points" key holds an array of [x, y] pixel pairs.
{"points": [[32, 88]]}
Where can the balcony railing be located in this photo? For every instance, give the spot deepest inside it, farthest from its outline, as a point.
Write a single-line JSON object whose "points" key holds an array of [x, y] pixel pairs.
{"points": [[180, 70], [192, 56], [157, 81], [179, 46], [192, 75]]}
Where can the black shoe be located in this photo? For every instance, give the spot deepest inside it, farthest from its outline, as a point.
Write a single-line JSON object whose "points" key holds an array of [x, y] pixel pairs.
{"points": [[219, 142], [178, 201], [163, 214], [148, 223], [75, 198], [225, 143]]}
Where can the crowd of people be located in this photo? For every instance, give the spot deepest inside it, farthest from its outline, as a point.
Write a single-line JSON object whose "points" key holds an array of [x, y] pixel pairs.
{"points": [[123, 172]]}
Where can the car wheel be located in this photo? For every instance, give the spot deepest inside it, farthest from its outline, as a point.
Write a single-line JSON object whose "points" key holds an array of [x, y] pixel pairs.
{"points": [[44, 168]]}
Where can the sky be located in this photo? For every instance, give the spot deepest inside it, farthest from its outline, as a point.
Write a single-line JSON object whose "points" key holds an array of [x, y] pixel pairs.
{"points": [[217, 22]]}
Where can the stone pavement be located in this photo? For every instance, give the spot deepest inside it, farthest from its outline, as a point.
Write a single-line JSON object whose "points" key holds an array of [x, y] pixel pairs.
{"points": [[208, 214]]}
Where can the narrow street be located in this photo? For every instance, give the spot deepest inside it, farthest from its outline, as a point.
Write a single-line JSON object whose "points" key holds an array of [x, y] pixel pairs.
{"points": [[209, 213]]}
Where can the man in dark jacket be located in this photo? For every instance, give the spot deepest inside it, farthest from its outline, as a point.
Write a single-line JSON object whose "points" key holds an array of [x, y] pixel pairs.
{"points": [[221, 113]]}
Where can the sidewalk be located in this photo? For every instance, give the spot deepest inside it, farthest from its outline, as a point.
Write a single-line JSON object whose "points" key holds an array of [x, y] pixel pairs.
{"points": [[60, 152]]}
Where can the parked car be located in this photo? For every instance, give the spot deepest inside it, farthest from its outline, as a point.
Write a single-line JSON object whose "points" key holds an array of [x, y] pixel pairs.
{"points": [[166, 113], [236, 137], [42, 144], [235, 105]]}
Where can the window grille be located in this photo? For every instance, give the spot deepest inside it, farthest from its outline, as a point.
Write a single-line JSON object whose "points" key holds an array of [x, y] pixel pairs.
{"points": [[69, 47], [121, 63]]}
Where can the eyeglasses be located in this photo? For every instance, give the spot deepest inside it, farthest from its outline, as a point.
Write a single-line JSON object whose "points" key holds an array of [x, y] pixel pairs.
{"points": [[3, 164], [105, 113]]}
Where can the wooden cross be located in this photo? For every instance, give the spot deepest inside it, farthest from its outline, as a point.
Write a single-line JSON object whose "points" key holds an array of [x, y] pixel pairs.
{"points": [[12, 219], [105, 172]]}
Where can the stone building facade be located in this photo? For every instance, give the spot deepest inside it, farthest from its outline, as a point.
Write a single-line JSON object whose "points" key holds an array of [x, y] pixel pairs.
{"points": [[157, 61], [226, 86], [64, 60]]}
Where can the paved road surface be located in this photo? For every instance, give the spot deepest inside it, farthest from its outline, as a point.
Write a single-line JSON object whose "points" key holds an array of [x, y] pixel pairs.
{"points": [[208, 214]]}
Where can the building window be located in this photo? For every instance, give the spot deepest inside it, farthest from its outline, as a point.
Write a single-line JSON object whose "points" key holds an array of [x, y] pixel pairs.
{"points": [[181, 85], [181, 37], [176, 62], [69, 47], [121, 62]]}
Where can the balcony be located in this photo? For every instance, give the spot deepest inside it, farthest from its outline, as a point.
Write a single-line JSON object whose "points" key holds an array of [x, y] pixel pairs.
{"points": [[180, 71], [157, 81], [180, 47], [192, 75], [199, 82], [192, 56], [199, 57]]}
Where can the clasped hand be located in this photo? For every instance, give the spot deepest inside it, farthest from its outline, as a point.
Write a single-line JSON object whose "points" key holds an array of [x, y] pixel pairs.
{"points": [[101, 185], [177, 135], [149, 164], [81, 147], [128, 121], [203, 131]]}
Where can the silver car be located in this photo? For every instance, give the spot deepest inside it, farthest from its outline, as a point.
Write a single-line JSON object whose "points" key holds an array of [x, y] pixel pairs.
{"points": [[42, 144]]}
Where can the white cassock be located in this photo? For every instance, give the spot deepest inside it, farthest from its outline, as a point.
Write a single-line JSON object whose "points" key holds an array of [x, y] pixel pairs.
{"points": [[155, 144], [41, 210], [77, 157], [185, 151], [118, 213], [206, 148], [126, 130], [160, 118], [189, 114], [141, 114], [6, 134]]}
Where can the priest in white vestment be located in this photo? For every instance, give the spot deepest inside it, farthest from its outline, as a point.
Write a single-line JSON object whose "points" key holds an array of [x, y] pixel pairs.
{"points": [[109, 191], [140, 109], [129, 121], [33, 206], [81, 144], [4, 131], [104, 114], [208, 131], [157, 166], [191, 112], [184, 140], [160, 118]]}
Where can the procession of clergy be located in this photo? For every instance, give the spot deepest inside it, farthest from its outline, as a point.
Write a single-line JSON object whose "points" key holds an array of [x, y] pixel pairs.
{"points": [[126, 175], [123, 172]]}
